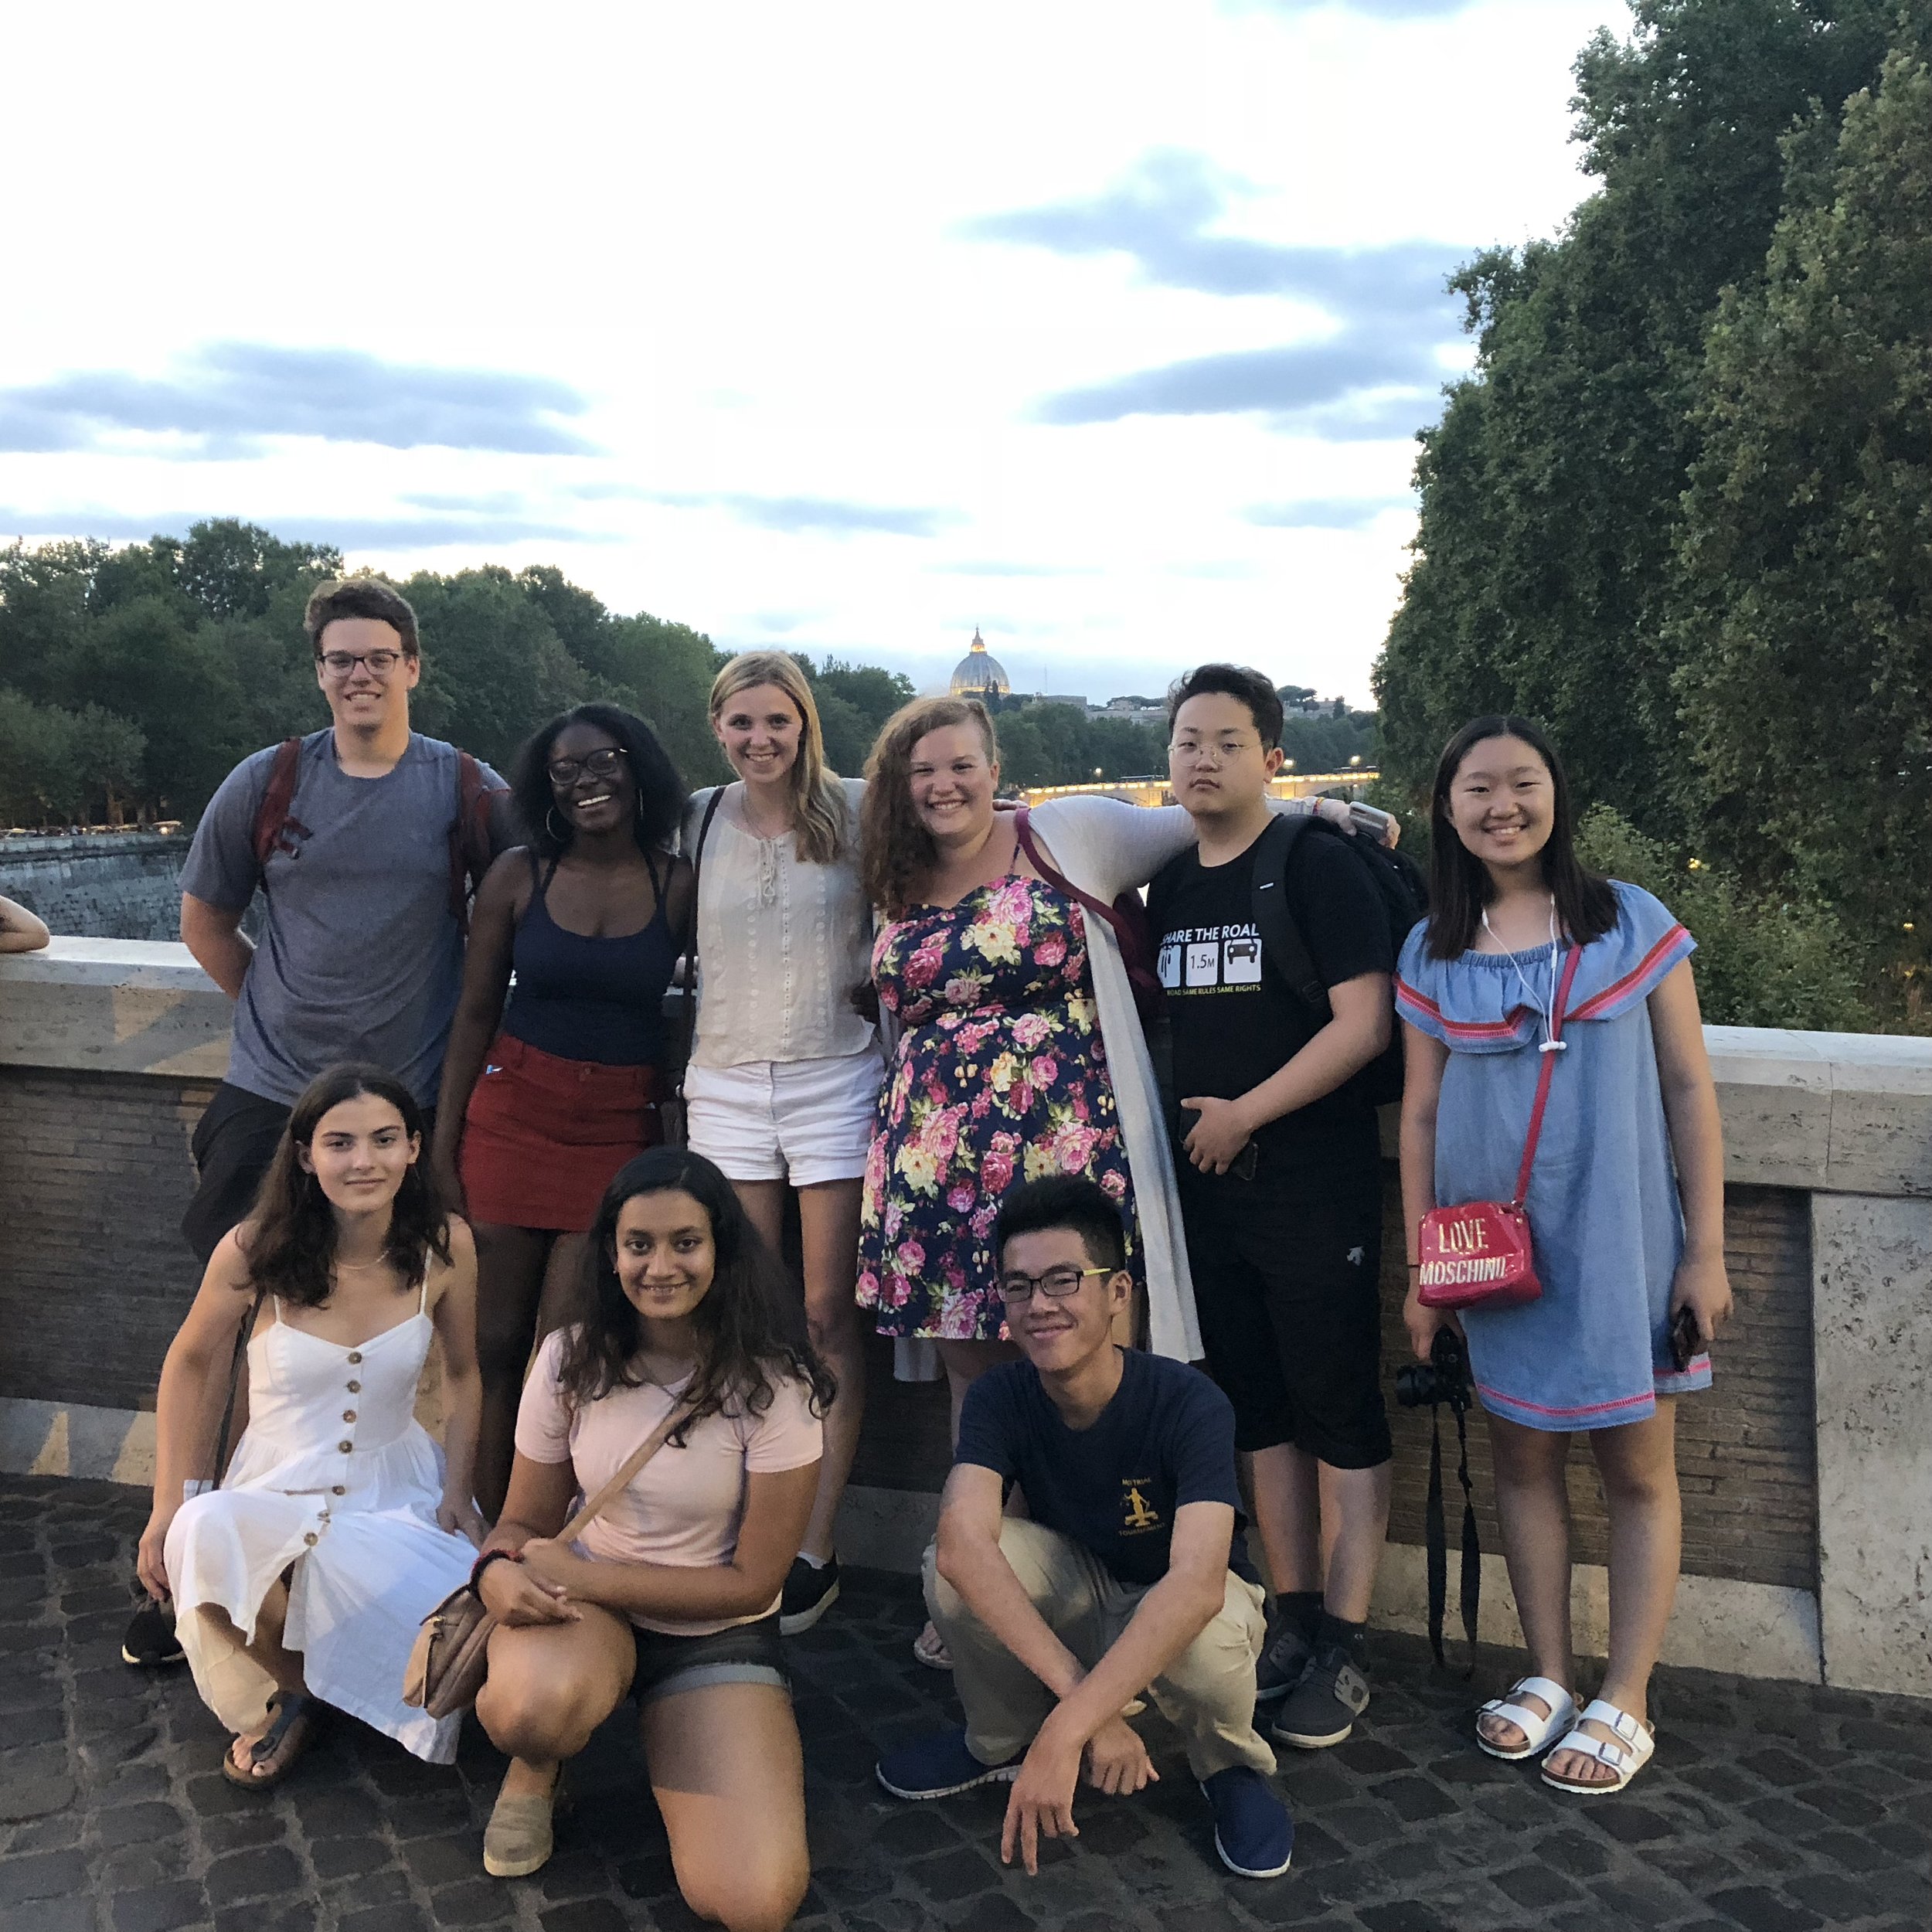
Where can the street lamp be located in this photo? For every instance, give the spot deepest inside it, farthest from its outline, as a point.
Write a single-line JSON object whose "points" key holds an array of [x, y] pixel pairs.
{"points": [[1356, 762]]}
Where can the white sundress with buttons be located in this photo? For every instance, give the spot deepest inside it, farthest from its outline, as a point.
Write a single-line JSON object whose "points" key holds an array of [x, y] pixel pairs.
{"points": [[334, 1476]]}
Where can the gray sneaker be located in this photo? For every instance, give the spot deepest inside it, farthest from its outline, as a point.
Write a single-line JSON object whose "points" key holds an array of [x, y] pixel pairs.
{"points": [[1284, 1656], [1321, 1708]]}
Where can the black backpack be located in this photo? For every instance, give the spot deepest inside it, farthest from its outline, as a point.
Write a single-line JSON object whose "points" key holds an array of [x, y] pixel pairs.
{"points": [[1399, 885]]}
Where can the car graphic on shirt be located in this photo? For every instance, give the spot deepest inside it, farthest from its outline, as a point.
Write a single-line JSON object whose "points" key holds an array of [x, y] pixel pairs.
{"points": [[1240, 961]]}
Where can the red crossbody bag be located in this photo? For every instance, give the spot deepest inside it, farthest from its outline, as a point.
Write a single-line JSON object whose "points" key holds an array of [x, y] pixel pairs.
{"points": [[1478, 1255]]}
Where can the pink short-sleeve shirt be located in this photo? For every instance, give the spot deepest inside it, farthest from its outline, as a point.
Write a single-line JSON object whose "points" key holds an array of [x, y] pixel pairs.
{"points": [[684, 1505]]}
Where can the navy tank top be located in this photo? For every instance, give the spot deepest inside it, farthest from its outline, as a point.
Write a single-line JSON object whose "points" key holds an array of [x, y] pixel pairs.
{"points": [[591, 999]]}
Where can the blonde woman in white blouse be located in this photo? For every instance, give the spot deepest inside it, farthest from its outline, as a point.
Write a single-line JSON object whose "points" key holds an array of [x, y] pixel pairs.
{"points": [[785, 1071]]}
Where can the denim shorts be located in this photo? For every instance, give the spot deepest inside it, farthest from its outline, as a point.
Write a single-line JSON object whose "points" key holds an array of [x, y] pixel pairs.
{"points": [[745, 1654]]}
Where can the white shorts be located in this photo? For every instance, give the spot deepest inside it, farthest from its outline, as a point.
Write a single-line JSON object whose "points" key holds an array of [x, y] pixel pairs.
{"points": [[805, 1121]]}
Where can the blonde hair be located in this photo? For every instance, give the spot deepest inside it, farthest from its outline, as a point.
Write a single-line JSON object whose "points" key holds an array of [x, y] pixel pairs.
{"points": [[821, 824], [896, 850]]}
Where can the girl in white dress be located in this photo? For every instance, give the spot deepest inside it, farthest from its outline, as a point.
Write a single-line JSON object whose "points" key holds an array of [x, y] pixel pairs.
{"points": [[340, 1523]]}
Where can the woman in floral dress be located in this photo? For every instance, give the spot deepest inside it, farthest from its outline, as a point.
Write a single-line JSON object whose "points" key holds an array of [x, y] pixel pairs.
{"points": [[999, 1074], [1001, 1077]]}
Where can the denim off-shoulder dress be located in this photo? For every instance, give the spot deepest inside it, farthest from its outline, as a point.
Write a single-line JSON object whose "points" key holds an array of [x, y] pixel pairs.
{"points": [[1606, 1223]]}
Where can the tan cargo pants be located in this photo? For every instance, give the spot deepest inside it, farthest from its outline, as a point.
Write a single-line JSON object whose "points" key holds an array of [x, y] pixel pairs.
{"points": [[1207, 1692]]}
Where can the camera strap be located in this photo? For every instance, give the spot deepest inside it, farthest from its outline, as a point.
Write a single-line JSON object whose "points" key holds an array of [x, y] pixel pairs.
{"points": [[1435, 1541]]}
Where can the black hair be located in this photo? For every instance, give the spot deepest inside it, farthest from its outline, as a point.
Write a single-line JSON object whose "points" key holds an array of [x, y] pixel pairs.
{"points": [[1459, 883], [750, 1324], [360, 598], [1065, 1201], [1234, 681], [290, 1240], [660, 791]]}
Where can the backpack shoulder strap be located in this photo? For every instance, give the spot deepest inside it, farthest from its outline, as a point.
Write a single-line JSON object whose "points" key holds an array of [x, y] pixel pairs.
{"points": [[471, 846], [273, 814], [1283, 948]]}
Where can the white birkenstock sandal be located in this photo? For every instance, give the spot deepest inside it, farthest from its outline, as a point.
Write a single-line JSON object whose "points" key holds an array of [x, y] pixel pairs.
{"points": [[1538, 1730], [1625, 1758]]}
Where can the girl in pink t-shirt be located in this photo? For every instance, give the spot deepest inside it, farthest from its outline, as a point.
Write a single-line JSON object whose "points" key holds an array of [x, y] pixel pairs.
{"points": [[672, 1594]]}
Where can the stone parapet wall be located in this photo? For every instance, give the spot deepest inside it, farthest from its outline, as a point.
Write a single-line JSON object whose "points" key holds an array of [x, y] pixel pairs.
{"points": [[111, 885], [1807, 1472]]}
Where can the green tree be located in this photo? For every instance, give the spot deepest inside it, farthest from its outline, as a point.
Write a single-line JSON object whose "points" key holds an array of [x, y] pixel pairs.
{"points": [[854, 701], [494, 667], [1549, 489], [1759, 962], [64, 767], [1803, 610]]}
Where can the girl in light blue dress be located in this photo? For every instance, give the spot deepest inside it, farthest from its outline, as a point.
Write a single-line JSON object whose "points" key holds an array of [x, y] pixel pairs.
{"points": [[1625, 1205]]}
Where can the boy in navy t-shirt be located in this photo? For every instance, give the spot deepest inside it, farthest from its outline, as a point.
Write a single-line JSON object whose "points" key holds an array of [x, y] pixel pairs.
{"points": [[1125, 1580]]}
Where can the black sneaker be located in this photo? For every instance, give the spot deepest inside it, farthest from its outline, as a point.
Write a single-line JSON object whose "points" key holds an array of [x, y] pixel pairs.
{"points": [[150, 1641], [810, 1592], [1331, 1693], [1284, 1656]]}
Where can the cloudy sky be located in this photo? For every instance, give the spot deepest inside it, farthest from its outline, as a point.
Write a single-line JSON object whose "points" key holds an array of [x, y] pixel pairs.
{"points": [[1105, 327]]}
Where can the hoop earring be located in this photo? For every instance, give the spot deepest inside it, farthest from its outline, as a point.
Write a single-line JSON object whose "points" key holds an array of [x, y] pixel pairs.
{"points": [[562, 837]]}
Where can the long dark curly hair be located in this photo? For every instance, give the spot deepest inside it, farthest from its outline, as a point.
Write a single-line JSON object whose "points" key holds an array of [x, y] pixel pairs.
{"points": [[750, 1324], [1459, 883], [290, 1237], [660, 792]]}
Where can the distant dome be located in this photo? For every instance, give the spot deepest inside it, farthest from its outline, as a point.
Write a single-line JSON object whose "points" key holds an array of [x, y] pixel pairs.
{"points": [[979, 672]]}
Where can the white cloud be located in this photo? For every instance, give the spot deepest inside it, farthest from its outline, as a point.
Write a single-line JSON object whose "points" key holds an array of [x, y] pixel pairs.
{"points": [[739, 234]]}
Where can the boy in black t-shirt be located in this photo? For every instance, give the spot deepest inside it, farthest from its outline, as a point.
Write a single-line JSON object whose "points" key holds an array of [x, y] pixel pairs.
{"points": [[1119, 1583], [1281, 1175]]}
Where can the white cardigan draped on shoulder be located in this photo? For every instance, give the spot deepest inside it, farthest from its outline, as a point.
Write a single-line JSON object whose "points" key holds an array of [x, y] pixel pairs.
{"points": [[1107, 847]]}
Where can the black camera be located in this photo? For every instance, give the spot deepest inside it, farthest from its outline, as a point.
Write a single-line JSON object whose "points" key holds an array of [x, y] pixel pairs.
{"points": [[1444, 1377]]}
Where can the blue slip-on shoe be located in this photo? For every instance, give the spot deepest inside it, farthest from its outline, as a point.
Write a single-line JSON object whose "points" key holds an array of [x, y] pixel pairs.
{"points": [[940, 1766], [1252, 1831]]}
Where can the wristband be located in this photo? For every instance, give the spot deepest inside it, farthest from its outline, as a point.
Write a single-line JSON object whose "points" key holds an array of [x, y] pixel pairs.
{"points": [[489, 1557]]}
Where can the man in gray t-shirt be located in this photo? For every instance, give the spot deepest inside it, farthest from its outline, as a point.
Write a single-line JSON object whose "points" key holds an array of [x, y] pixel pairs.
{"points": [[360, 952]]}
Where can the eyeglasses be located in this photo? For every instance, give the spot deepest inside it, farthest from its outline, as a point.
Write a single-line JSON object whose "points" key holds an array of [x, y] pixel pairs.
{"points": [[604, 763], [339, 664], [1056, 1284], [1186, 751]]}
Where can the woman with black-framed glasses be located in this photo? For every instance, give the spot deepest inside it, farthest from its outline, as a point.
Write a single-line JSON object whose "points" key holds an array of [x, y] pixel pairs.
{"points": [[544, 1099]]}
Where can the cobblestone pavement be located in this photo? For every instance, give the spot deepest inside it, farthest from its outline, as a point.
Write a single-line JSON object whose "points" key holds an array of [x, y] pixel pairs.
{"points": [[1771, 1808]]}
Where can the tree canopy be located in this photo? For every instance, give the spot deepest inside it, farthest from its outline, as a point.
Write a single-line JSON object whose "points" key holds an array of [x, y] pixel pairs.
{"points": [[1681, 511], [1550, 489], [133, 679]]}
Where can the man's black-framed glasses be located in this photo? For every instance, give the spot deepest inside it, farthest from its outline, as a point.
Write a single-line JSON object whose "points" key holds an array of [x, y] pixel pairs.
{"points": [[1056, 1284], [606, 762], [339, 664]]}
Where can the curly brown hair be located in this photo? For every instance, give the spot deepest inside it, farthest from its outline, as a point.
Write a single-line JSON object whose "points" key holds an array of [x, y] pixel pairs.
{"points": [[896, 850], [290, 1237]]}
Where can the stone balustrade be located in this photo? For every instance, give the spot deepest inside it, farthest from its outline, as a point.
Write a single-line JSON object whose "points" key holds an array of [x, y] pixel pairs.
{"points": [[1807, 1472]]}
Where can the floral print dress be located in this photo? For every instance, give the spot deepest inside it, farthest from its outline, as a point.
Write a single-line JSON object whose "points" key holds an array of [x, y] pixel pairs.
{"points": [[999, 1077]]}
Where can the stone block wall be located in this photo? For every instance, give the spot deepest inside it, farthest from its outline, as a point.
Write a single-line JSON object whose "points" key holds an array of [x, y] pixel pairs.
{"points": [[101, 885], [1806, 1475], [94, 1173]]}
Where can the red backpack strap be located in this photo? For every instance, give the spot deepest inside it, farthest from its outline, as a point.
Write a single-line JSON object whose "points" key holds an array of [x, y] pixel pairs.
{"points": [[273, 819], [1052, 873], [471, 847]]}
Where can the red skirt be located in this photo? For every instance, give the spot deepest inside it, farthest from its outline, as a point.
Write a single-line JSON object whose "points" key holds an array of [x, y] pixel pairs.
{"points": [[543, 1137]]}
